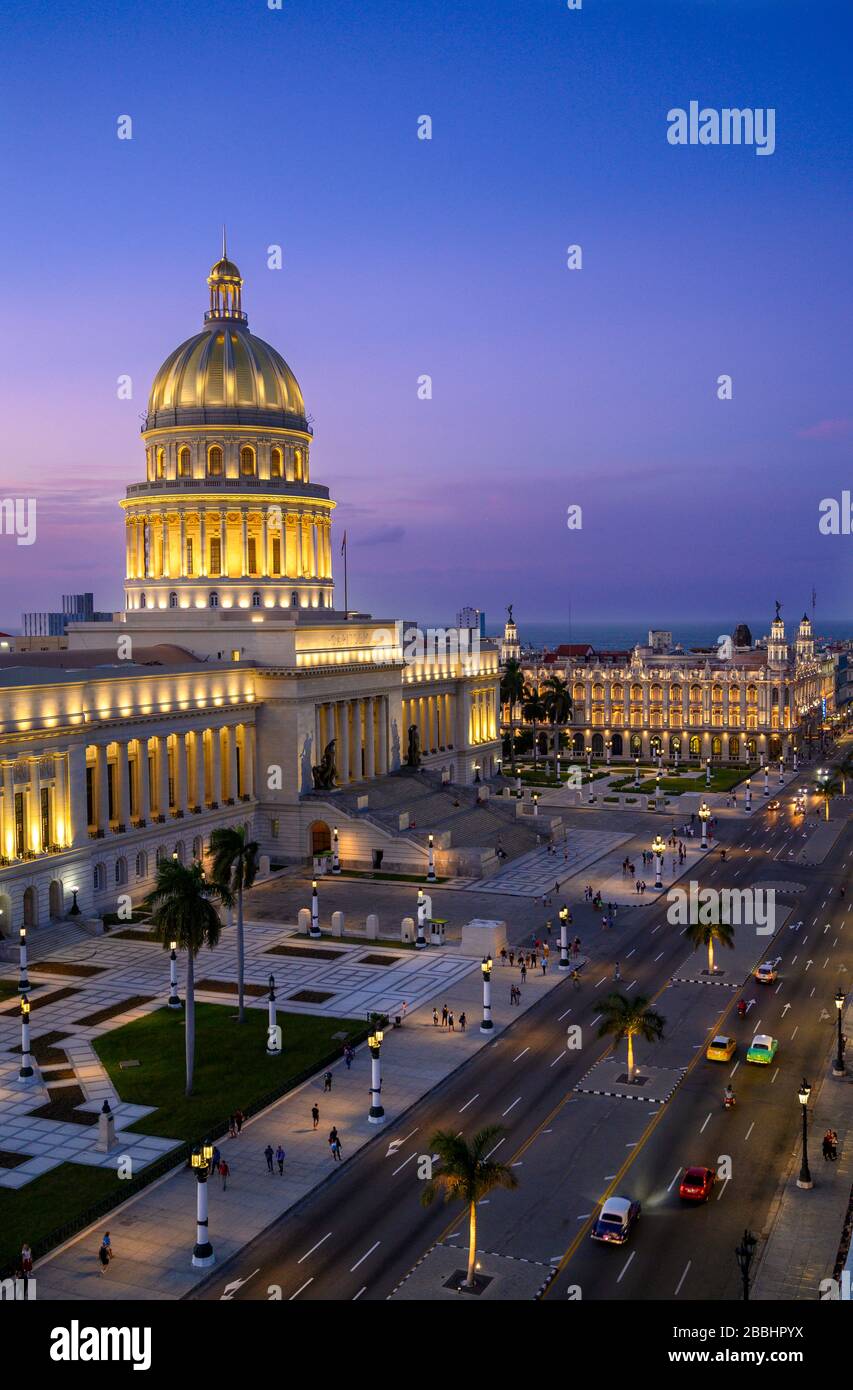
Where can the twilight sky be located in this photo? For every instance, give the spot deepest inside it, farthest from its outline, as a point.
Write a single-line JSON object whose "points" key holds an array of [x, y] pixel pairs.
{"points": [[551, 387]]}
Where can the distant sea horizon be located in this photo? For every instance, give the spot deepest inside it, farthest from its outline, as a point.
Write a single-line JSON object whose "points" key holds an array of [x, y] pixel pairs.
{"points": [[611, 636]]}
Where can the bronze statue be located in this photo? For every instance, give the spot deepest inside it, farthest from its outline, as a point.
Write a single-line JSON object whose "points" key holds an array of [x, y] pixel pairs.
{"points": [[509, 613], [325, 772], [413, 756], [778, 609]]}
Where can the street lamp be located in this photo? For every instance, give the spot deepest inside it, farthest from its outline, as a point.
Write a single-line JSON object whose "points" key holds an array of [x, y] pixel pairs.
{"points": [[273, 1047], [636, 771], [535, 800], [838, 1064], [431, 866], [745, 1254], [420, 944], [765, 770], [805, 1178], [749, 794], [564, 938], [174, 998], [74, 909], [376, 1114], [704, 814], [315, 910], [476, 772], [25, 1072], [658, 850], [608, 745], [23, 978], [336, 857], [781, 770], [202, 1250], [487, 1025], [707, 772]]}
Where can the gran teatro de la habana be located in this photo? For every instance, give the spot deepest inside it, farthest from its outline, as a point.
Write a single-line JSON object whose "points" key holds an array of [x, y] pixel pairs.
{"points": [[230, 690]]}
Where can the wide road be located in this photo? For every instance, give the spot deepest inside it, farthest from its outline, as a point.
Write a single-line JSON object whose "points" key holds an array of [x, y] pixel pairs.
{"points": [[359, 1234]]}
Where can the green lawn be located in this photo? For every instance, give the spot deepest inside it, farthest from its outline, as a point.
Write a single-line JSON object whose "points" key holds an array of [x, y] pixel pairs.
{"points": [[722, 780], [232, 1069], [34, 1212]]}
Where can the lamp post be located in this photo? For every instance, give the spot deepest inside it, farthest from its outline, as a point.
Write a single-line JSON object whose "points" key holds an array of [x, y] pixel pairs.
{"points": [[658, 850], [202, 1250], [564, 938], [795, 759], [315, 910], [535, 799], [476, 772], [805, 1178], [23, 978], [636, 772], [420, 943], [838, 1064], [608, 746], [766, 772], [376, 1114], [781, 771], [748, 794], [707, 772], [25, 1072], [745, 1253], [74, 909], [658, 792], [704, 814], [589, 759], [431, 865], [487, 1025], [336, 856], [273, 1044], [174, 997], [591, 796]]}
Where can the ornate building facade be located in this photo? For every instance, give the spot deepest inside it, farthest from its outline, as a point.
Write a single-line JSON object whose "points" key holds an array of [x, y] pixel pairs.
{"points": [[212, 698]]}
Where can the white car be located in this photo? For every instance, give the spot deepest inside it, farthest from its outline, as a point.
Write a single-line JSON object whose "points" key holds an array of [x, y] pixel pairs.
{"points": [[616, 1220], [767, 973]]}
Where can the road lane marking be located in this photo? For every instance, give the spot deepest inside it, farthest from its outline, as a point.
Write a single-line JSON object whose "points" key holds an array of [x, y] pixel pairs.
{"points": [[497, 1146], [675, 1180], [723, 1188], [682, 1279], [362, 1290], [304, 1286], [315, 1247], [749, 1131], [511, 1107], [469, 1102], [402, 1165], [625, 1267], [565, 1015], [521, 1054], [702, 1130], [557, 1058], [364, 1257]]}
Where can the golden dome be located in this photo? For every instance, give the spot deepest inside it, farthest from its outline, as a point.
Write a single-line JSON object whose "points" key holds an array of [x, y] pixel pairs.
{"points": [[224, 374]]}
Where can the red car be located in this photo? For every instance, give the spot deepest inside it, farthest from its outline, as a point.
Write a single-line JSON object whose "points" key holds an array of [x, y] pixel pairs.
{"points": [[696, 1184]]}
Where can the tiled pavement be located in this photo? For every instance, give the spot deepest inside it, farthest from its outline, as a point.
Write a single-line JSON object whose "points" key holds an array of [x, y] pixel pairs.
{"points": [[535, 872]]}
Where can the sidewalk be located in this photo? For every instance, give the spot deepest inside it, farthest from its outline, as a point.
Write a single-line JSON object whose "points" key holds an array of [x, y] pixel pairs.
{"points": [[805, 1226], [153, 1234]]}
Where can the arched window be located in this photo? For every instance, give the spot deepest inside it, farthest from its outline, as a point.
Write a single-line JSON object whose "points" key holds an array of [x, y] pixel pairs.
{"points": [[247, 461], [734, 746], [675, 692], [294, 599], [161, 854], [256, 599], [657, 693], [143, 602], [121, 870], [694, 745], [184, 464], [213, 599], [636, 745], [214, 461], [617, 745], [716, 747], [180, 852], [297, 465], [636, 692], [198, 847], [275, 463], [617, 693], [100, 878], [173, 599], [141, 864], [161, 463], [696, 693], [598, 692]]}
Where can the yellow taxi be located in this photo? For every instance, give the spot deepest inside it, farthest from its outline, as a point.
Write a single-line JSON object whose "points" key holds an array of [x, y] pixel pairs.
{"points": [[721, 1048]]}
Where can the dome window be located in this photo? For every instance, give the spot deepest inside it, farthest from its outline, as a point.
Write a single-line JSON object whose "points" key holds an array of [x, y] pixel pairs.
{"points": [[247, 462], [161, 463], [275, 463], [297, 465], [184, 464], [214, 461], [213, 599]]}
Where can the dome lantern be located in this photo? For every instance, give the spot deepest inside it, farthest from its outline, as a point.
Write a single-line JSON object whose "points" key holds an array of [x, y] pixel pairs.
{"points": [[226, 285]]}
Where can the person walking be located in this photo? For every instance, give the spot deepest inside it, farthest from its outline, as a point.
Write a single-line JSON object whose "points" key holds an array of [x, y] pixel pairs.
{"points": [[512, 958], [523, 972], [315, 1114], [279, 1158], [544, 965], [26, 1266], [327, 1082], [617, 973], [268, 1155], [576, 947], [224, 1173], [450, 1020], [444, 1015], [239, 1117], [334, 1144], [232, 1126], [827, 1146], [105, 1253], [503, 955], [435, 1018], [349, 1054], [462, 1021]]}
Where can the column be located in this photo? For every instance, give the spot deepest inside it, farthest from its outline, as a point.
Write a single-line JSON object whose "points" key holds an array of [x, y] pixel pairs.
{"points": [[233, 789], [162, 776], [60, 801], [102, 801], [223, 543], [439, 721], [143, 785], [369, 742], [202, 564], [382, 716], [291, 558], [181, 772], [33, 820], [342, 709], [182, 533], [357, 740], [244, 543], [249, 759], [448, 720], [128, 531], [77, 834], [122, 809], [264, 557], [198, 796], [215, 766]]}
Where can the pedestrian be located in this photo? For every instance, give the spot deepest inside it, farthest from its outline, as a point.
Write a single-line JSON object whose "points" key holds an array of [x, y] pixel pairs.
{"points": [[217, 1154], [327, 1081], [404, 1009], [105, 1253], [523, 972], [435, 1018], [349, 1054], [827, 1146], [232, 1126], [833, 1141], [462, 1021], [617, 973], [239, 1117], [503, 955], [512, 958], [333, 1142], [315, 1114], [337, 1149], [268, 1155], [450, 1020], [26, 1266], [444, 1015], [279, 1158], [544, 965], [224, 1173]]}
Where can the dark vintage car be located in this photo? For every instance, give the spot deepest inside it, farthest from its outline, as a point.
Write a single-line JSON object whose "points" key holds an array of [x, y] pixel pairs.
{"points": [[616, 1220]]}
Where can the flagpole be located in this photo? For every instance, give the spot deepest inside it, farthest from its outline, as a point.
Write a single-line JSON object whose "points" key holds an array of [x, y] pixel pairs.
{"points": [[346, 586]]}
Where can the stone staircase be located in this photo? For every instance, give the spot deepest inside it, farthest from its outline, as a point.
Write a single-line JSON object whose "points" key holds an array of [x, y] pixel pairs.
{"points": [[46, 941]]}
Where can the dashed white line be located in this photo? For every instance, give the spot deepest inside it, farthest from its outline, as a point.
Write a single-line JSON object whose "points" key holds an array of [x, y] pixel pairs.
{"points": [[316, 1247], [682, 1279], [511, 1107], [304, 1286], [364, 1257], [625, 1266], [469, 1102], [520, 1055]]}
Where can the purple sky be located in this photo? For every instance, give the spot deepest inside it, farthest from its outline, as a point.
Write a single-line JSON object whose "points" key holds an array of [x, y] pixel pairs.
{"points": [[447, 257]]}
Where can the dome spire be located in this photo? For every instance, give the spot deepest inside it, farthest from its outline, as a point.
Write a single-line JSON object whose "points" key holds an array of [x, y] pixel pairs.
{"points": [[226, 286]]}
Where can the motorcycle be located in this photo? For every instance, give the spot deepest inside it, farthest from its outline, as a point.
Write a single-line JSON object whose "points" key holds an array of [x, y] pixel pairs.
{"points": [[741, 1008], [729, 1100]]}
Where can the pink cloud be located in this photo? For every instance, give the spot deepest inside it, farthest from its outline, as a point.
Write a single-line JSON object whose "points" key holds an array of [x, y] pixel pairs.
{"points": [[827, 429]]}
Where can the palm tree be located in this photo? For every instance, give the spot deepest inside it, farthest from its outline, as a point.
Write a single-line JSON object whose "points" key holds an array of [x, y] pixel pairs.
{"points": [[558, 704], [182, 911], [534, 709], [512, 689], [235, 864], [467, 1175], [630, 1018], [706, 933]]}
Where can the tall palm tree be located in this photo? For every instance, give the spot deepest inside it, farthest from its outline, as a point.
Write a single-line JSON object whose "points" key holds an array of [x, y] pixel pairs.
{"points": [[512, 689], [534, 709], [182, 910], [706, 933], [558, 704], [235, 865], [467, 1175], [630, 1018]]}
